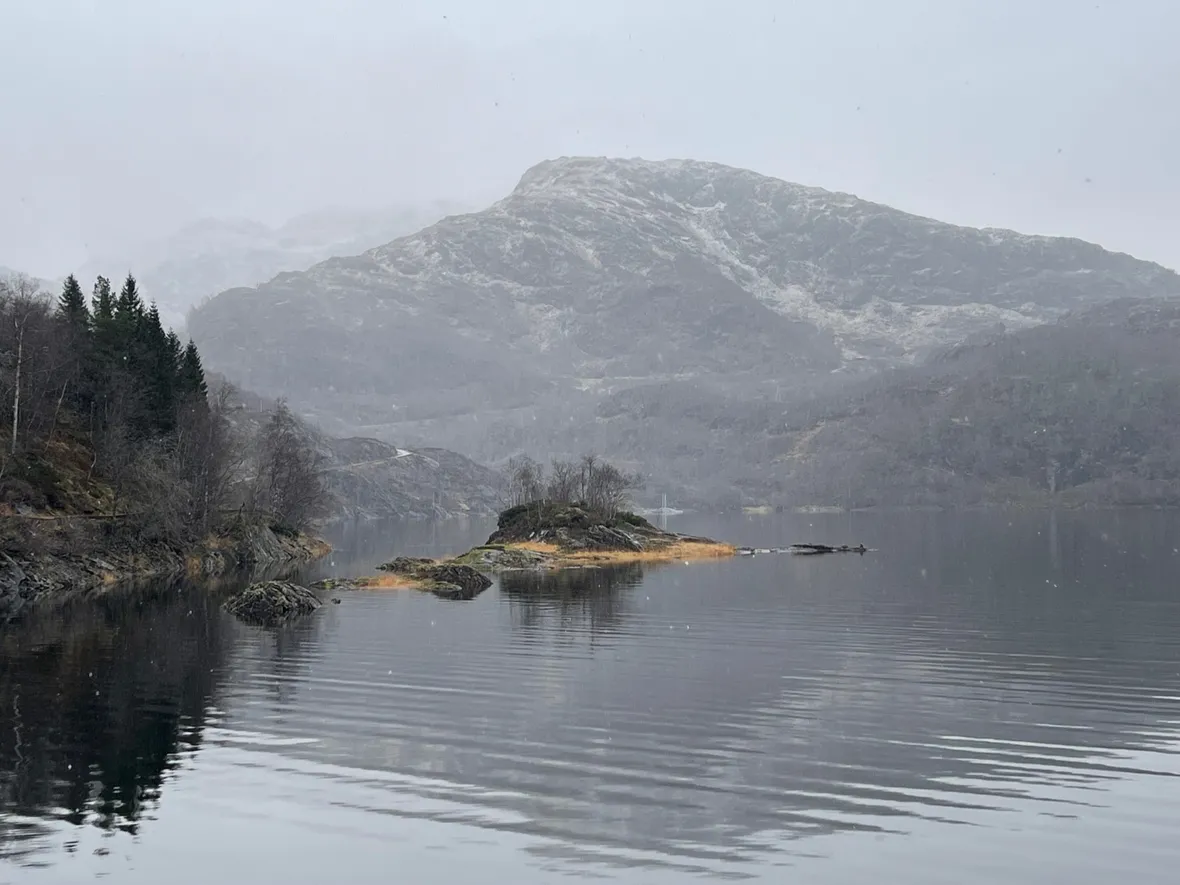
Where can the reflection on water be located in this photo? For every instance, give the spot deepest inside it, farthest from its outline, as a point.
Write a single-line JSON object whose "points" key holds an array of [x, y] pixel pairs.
{"points": [[358, 547], [777, 718], [97, 704], [583, 599]]}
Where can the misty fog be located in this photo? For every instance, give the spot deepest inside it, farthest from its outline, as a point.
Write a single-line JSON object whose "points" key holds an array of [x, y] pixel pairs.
{"points": [[127, 119]]}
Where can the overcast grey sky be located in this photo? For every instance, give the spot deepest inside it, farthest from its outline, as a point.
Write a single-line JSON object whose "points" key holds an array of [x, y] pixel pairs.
{"points": [[126, 118]]}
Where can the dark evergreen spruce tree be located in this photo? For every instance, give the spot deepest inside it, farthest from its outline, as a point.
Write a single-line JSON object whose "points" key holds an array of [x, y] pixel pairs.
{"points": [[103, 302], [128, 314], [102, 321], [176, 349], [71, 306], [156, 370], [103, 357], [191, 380], [74, 314]]}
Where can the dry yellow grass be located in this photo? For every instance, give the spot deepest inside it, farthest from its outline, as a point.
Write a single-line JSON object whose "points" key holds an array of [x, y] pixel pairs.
{"points": [[686, 551], [681, 550], [387, 582]]}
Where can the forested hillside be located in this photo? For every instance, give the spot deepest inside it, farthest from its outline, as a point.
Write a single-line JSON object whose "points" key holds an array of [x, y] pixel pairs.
{"points": [[108, 414], [1084, 411]]}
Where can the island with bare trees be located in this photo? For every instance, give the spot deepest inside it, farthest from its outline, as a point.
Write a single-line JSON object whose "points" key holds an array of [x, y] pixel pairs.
{"points": [[571, 516]]}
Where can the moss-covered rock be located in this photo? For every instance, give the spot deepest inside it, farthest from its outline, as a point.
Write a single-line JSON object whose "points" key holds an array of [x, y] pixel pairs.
{"points": [[498, 558], [449, 580]]}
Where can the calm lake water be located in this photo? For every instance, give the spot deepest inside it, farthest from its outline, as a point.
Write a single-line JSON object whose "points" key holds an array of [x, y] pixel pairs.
{"points": [[983, 699]]}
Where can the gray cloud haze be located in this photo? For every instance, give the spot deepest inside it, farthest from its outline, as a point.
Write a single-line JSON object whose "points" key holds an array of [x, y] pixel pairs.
{"points": [[123, 119]]}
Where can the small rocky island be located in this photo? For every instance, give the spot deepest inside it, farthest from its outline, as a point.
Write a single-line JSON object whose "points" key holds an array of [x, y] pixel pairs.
{"points": [[557, 535], [539, 535]]}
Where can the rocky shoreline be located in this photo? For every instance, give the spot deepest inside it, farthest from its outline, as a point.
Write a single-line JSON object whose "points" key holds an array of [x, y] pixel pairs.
{"points": [[43, 569]]}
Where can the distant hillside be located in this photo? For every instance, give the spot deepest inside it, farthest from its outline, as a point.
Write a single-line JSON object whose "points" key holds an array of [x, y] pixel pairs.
{"points": [[599, 282], [368, 478], [208, 256], [1084, 411]]}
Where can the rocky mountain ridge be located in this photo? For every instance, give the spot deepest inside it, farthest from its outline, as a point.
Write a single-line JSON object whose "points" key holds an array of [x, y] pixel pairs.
{"points": [[512, 329]]}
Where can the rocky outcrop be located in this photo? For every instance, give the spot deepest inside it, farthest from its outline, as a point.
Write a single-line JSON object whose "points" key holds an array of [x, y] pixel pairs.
{"points": [[574, 528], [51, 561], [447, 579], [495, 558], [270, 603]]}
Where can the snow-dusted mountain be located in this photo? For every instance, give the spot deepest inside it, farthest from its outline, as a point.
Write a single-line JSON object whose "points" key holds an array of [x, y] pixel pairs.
{"points": [[500, 329], [209, 256]]}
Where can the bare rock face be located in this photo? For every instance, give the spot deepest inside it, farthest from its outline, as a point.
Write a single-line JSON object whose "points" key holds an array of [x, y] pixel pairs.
{"points": [[269, 603], [636, 272]]}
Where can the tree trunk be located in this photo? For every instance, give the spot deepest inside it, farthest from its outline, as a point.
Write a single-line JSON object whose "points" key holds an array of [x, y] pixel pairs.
{"points": [[20, 355], [56, 414]]}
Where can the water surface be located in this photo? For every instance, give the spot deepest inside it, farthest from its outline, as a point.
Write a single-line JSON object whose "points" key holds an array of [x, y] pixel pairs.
{"points": [[983, 698]]}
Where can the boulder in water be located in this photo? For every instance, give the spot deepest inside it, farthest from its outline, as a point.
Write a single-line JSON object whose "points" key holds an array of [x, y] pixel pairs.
{"points": [[272, 602]]}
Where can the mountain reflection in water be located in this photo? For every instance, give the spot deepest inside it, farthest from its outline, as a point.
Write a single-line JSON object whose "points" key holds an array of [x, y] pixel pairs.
{"points": [[1020, 674]]}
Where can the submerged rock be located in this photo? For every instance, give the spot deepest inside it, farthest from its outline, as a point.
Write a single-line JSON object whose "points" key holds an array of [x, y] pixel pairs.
{"points": [[272, 602], [405, 565], [335, 584]]}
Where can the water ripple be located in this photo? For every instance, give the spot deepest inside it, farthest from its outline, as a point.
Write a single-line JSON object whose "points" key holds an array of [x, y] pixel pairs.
{"points": [[724, 720]]}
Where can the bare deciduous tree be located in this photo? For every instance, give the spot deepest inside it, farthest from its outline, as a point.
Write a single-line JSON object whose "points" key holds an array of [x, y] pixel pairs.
{"points": [[608, 489], [602, 487], [563, 481], [525, 481], [210, 455], [288, 482], [31, 362]]}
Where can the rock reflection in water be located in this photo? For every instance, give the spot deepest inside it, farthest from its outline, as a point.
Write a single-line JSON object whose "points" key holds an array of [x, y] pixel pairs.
{"points": [[576, 598]]}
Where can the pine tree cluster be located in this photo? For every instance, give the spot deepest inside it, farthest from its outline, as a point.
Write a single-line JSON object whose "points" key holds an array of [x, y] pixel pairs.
{"points": [[100, 379], [127, 362]]}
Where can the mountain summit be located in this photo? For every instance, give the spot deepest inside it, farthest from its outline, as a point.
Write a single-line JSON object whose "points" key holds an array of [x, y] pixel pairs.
{"points": [[596, 275]]}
